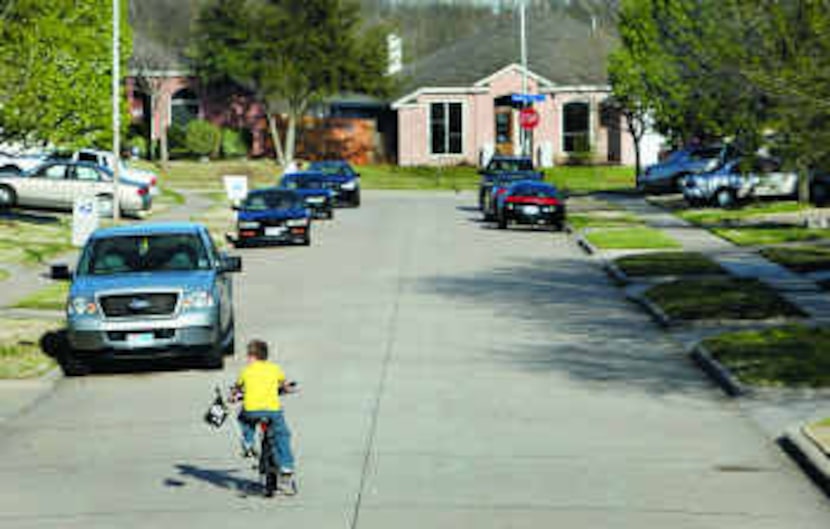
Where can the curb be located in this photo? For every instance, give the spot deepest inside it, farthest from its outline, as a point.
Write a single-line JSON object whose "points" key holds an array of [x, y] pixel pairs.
{"points": [[616, 273], [719, 374], [654, 310], [586, 246], [808, 456], [50, 380]]}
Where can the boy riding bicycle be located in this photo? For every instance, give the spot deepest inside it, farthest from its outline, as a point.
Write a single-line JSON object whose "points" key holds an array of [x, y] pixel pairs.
{"points": [[261, 382]]}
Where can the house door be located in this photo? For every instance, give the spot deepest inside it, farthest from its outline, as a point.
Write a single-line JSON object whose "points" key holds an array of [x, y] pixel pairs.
{"points": [[504, 130]]}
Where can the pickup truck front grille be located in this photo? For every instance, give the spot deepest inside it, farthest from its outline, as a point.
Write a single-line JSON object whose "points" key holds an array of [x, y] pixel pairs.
{"points": [[139, 304]]}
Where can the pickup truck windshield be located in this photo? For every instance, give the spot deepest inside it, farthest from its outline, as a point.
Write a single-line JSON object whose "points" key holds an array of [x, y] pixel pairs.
{"points": [[154, 253]]}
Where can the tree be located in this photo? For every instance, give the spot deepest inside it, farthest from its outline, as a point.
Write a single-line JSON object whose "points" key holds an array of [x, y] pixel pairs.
{"points": [[630, 96], [290, 54], [55, 72], [151, 83]]}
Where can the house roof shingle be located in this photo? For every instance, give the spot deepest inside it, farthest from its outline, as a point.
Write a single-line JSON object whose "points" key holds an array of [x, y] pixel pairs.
{"points": [[562, 49]]}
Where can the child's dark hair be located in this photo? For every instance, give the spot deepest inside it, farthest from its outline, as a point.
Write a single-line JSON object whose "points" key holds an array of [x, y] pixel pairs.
{"points": [[258, 349]]}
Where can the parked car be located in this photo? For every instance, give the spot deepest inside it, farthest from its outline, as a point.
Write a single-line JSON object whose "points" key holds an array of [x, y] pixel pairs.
{"points": [[346, 178], [15, 163], [56, 185], [741, 179], [500, 165], [316, 189], [667, 176], [273, 215], [531, 203], [499, 184], [107, 160], [149, 291]]}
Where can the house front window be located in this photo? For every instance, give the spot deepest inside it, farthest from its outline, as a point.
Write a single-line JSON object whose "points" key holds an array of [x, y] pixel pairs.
{"points": [[184, 107], [576, 129], [446, 128]]}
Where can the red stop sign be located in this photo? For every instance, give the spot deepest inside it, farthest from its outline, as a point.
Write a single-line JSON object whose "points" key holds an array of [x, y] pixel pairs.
{"points": [[528, 118]]}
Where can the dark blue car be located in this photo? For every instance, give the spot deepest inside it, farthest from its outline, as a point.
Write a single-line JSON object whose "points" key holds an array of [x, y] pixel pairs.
{"points": [[347, 180], [530, 202], [273, 215], [316, 189], [499, 165], [499, 184]]}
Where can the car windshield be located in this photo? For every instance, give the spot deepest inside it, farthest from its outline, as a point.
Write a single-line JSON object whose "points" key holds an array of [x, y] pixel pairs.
{"points": [[332, 168], [533, 191], [299, 182], [151, 253], [261, 201], [510, 164]]}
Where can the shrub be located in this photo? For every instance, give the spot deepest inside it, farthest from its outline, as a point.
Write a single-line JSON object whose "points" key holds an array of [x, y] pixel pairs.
{"points": [[202, 137], [140, 143], [233, 144]]}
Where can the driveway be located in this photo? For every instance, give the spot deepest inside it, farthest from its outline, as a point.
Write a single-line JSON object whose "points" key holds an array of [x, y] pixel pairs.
{"points": [[452, 375]]}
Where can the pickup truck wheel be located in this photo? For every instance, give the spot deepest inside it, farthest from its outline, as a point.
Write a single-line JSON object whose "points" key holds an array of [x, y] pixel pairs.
{"points": [[214, 358], [230, 347], [71, 365], [8, 198], [502, 222]]}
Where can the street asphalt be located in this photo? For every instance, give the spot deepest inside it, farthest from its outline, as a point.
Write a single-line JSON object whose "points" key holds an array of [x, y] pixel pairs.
{"points": [[452, 376]]}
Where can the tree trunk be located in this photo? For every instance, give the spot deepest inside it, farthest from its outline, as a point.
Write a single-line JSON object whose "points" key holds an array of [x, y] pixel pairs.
{"points": [[291, 137], [638, 164], [275, 139]]}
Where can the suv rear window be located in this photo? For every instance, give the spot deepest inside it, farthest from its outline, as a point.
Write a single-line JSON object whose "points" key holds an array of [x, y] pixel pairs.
{"points": [[155, 253], [507, 164]]}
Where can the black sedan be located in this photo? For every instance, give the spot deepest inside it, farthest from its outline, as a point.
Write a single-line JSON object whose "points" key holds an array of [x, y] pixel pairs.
{"points": [[531, 203]]}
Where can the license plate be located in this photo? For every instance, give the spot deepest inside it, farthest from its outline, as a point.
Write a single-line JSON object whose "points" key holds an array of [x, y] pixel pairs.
{"points": [[142, 339], [531, 210], [274, 231], [315, 200]]}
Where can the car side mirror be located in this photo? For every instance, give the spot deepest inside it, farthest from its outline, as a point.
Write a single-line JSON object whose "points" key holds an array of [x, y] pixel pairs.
{"points": [[60, 272], [231, 264]]}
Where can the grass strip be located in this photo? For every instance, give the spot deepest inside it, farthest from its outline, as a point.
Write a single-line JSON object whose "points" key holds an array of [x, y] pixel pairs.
{"points": [[23, 360], [720, 298], [800, 258], [708, 217], [52, 297], [789, 356], [604, 219], [768, 235], [668, 264], [630, 238], [4, 274]]}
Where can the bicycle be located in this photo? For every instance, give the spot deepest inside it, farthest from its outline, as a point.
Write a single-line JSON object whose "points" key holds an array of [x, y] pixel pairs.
{"points": [[271, 479]]}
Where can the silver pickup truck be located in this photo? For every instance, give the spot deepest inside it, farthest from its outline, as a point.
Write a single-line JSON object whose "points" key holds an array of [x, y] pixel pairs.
{"points": [[147, 291]]}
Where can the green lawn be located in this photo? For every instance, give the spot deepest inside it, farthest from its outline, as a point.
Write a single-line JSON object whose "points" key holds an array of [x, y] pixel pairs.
{"points": [[718, 217], [630, 238], [589, 179], [207, 176], [720, 298], [52, 297], [33, 240], [603, 219], [20, 353], [786, 356], [808, 258], [768, 235], [668, 264]]}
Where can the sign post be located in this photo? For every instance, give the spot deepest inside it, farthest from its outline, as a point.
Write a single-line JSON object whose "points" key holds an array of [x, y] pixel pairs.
{"points": [[236, 187], [85, 219]]}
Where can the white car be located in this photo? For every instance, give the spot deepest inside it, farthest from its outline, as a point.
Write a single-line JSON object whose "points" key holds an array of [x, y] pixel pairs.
{"points": [[57, 184], [106, 159], [19, 163], [739, 180]]}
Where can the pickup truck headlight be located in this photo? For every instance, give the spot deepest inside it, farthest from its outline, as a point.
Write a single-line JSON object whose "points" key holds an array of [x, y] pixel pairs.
{"points": [[296, 223], [351, 185], [82, 306], [248, 225], [197, 299]]}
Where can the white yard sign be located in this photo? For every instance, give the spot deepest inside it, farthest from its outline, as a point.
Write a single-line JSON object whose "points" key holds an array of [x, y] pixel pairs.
{"points": [[85, 219], [236, 187]]}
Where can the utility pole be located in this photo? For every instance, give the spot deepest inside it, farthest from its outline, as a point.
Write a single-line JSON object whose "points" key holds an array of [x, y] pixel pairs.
{"points": [[116, 109], [524, 134]]}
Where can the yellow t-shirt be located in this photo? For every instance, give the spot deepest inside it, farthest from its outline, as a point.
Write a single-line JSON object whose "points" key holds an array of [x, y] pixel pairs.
{"points": [[260, 381]]}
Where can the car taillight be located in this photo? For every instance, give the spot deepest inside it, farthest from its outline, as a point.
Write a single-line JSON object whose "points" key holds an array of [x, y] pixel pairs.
{"points": [[153, 181], [501, 191], [549, 201], [142, 191]]}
